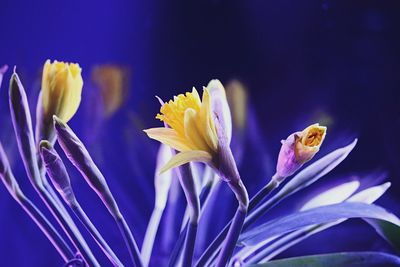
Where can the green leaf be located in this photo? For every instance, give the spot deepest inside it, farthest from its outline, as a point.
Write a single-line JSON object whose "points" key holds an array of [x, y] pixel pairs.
{"points": [[345, 259], [390, 232]]}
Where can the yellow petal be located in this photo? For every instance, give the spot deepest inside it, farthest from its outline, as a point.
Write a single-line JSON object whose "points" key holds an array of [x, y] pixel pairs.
{"points": [[206, 122], [186, 157], [74, 90], [192, 132], [168, 137], [196, 96]]}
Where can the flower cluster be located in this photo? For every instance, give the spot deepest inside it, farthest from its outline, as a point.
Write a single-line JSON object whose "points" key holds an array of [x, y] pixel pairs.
{"points": [[201, 139]]}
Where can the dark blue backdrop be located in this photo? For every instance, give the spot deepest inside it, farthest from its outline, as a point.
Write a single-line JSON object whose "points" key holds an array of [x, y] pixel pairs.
{"points": [[302, 62]]}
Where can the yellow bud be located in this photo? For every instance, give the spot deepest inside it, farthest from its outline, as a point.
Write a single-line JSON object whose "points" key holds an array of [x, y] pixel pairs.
{"points": [[309, 141], [61, 89]]}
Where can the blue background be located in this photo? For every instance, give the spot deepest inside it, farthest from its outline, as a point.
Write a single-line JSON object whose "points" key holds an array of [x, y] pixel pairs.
{"points": [[301, 61]]}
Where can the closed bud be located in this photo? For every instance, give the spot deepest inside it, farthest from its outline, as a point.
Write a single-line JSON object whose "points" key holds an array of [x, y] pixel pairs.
{"points": [[60, 95], [299, 148]]}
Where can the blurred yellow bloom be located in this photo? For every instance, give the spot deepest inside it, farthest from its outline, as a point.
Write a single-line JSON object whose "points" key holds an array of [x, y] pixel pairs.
{"points": [[61, 89], [112, 82], [237, 98], [192, 131]]}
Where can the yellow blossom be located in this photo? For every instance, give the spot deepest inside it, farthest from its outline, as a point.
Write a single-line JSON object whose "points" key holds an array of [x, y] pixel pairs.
{"points": [[299, 148], [309, 141], [192, 130], [61, 89]]}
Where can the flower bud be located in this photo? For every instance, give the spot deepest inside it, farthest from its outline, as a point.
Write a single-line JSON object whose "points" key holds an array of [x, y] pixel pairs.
{"points": [[299, 148], [77, 153], [57, 172], [61, 89], [60, 95]]}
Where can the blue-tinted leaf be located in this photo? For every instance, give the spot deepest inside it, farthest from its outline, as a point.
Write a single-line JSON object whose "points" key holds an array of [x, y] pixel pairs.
{"points": [[348, 259], [316, 170], [367, 196], [315, 216]]}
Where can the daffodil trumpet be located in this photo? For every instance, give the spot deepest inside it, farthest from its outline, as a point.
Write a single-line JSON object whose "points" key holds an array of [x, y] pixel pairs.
{"points": [[22, 123], [197, 133], [61, 181], [79, 156], [9, 181]]}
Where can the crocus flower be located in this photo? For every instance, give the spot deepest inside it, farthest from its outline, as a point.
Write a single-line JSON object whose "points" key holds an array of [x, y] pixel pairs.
{"points": [[60, 95], [299, 148]]}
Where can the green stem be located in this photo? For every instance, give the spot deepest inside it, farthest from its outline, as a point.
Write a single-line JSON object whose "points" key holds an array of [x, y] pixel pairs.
{"points": [[210, 253]]}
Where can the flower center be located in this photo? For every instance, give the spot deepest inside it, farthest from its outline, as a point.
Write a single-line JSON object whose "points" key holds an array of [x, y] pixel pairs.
{"points": [[173, 112], [313, 137]]}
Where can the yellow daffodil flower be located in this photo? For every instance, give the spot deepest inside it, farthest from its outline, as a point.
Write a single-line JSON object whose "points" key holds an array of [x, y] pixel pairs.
{"points": [[192, 129], [61, 89]]}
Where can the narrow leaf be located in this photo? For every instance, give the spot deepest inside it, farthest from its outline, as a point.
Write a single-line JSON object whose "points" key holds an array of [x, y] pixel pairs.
{"points": [[316, 170], [315, 216], [348, 259]]}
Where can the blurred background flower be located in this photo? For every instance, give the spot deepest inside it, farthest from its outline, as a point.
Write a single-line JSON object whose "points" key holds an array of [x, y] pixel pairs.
{"points": [[336, 63]]}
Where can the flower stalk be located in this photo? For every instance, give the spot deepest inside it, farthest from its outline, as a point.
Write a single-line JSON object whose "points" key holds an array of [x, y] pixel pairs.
{"points": [[204, 196], [199, 132], [77, 153], [61, 181], [22, 123], [189, 188], [162, 184], [36, 215], [297, 149]]}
